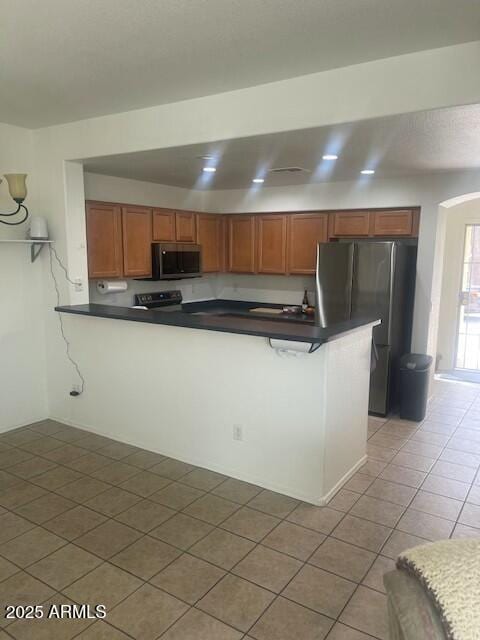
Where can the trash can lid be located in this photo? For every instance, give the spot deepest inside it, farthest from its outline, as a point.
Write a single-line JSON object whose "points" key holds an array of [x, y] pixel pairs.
{"points": [[416, 361]]}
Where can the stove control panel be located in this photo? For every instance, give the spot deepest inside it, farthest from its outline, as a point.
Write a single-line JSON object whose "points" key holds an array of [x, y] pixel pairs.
{"points": [[159, 298]]}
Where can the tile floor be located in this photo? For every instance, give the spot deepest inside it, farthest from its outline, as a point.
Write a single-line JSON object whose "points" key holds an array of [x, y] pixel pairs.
{"points": [[183, 553]]}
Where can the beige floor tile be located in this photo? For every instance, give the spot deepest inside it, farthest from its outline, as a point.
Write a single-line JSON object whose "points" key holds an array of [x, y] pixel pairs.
{"points": [[203, 479], [31, 546], [391, 492], [425, 525], [7, 569], [145, 483], [211, 509], [413, 461], [437, 505], [93, 441], [464, 531], [196, 625], [381, 439], [74, 523], [89, 463], [188, 578], [236, 602], [47, 427], [144, 459], [463, 444], [437, 439], [399, 541], [83, 489], [117, 450], [294, 540], [181, 531], [20, 494], [12, 526], [222, 548], [102, 631], [319, 590], [18, 437], [112, 501], [171, 468], [177, 496], [422, 449], [321, 519], [64, 566], [442, 417], [58, 477], [147, 613], [342, 632], [474, 495], [383, 454], [373, 468], [145, 557], [108, 539], [22, 589], [250, 523], [358, 483], [116, 472], [374, 578], [343, 500], [12, 457], [367, 611], [403, 475], [438, 427], [8, 480], [105, 585], [380, 511], [145, 515], [460, 457], [31, 468], [64, 454], [343, 559], [457, 472], [41, 445], [44, 508], [237, 490], [267, 568], [285, 620], [363, 533], [470, 515], [446, 487], [273, 503]]}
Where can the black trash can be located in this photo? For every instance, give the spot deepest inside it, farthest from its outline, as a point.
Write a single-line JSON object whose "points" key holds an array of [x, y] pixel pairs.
{"points": [[414, 376]]}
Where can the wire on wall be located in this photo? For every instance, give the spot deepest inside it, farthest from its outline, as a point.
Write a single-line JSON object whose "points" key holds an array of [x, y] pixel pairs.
{"points": [[54, 254]]}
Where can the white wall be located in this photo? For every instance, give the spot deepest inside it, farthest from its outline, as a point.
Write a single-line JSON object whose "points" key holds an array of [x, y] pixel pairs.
{"points": [[457, 217], [22, 336]]}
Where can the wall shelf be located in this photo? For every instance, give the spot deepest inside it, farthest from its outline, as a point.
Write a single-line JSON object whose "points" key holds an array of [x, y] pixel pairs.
{"points": [[36, 246]]}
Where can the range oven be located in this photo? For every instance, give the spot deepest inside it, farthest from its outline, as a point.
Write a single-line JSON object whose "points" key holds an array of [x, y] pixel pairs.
{"points": [[176, 261]]}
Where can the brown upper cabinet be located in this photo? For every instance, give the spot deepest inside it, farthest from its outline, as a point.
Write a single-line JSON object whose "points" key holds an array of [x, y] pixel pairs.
{"points": [[137, 240], [241, 243], [305, 230], [272, 243], [210, 236], [104, 240], [163, 225], [393, 223], [350, 223], [185, 226]]}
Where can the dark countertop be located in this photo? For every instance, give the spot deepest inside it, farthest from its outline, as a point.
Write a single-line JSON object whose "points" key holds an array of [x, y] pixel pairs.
{"points": [[226, 317]]}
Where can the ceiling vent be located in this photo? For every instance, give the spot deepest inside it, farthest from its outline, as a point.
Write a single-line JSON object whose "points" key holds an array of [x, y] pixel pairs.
{"points": [[289, 170]]}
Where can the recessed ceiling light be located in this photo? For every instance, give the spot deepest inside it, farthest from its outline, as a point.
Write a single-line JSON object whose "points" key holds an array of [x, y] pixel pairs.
{"points": [[209, 169], [205, 157], [329, 156], [367, 172], [258, 180]]}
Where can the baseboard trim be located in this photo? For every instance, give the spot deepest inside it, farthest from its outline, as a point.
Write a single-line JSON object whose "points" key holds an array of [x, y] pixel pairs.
{"points": [[328, 496]]}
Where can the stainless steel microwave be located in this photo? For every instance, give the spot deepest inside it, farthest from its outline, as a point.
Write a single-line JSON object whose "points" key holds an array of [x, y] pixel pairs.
{"points": [[176, 261]]}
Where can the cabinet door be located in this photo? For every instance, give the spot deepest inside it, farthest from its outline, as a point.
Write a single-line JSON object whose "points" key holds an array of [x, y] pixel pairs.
{"points": [[351, 223], [272, 243], [185, 226], [305, 230], [210, 237], [241, 243], [163, 225], [137, 241], [393, 223], [104, 240]]}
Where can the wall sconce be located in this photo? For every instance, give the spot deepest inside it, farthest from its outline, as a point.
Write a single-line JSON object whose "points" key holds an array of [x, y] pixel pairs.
{"points": [[18, 191]]}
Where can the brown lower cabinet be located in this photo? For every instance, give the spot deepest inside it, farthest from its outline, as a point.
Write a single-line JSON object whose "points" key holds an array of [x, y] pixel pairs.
{"points": [[137, 241], [104, 240], [305, 231], [210, 236], [241, 243]]}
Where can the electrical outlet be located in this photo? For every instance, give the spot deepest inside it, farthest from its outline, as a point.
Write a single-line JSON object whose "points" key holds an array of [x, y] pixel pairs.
{"points": [[238, 432], [78, 284]]}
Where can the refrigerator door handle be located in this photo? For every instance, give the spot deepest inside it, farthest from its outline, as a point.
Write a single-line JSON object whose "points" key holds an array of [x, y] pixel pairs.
{"points": [[320, 316]]}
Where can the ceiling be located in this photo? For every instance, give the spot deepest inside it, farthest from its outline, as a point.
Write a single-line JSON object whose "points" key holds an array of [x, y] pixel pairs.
{"points": [[410, 144], [68, 60]]}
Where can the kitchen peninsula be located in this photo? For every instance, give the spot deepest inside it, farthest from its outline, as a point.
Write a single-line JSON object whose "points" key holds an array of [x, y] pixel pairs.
{"points": [[223, 399]]}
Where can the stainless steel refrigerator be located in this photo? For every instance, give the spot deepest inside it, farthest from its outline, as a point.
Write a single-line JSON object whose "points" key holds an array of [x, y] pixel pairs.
{"points": [[375, 279]]}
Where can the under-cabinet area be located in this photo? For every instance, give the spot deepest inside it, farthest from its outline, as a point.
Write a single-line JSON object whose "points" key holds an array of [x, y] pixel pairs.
{"points": [[120, 237]]}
